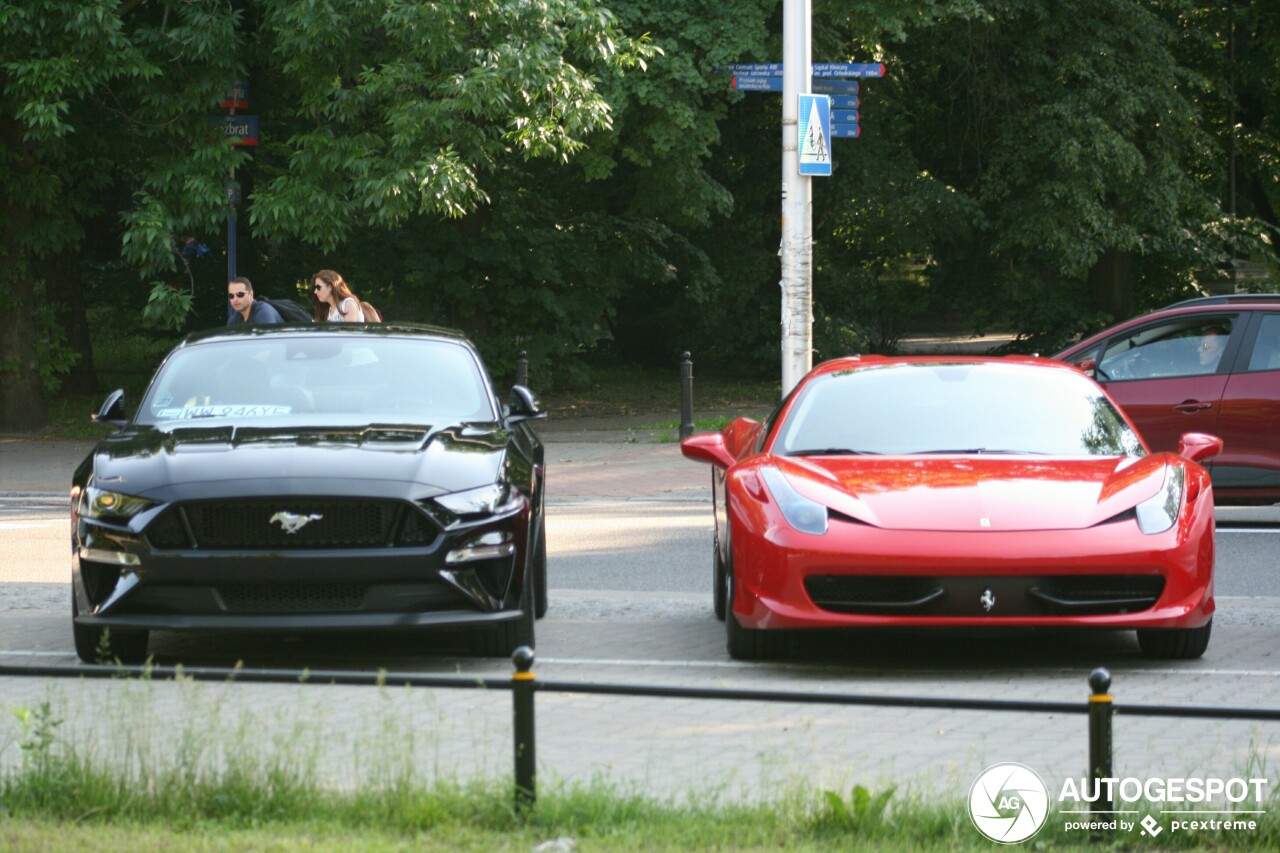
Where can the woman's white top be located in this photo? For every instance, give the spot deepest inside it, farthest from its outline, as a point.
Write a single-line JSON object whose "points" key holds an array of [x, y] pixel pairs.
{"points": [[335, 316]]}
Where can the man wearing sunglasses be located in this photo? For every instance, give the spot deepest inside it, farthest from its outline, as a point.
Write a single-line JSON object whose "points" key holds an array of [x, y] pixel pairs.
{"points": [[243, 307]]}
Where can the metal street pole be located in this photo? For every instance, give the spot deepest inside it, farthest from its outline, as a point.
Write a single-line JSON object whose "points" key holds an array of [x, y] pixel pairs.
{"points": [[797, 200]]}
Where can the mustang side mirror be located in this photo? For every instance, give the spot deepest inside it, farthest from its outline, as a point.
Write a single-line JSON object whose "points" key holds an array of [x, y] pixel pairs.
{"points": [[523, 405], [112, 410], [1199, 446], [707, 447]]}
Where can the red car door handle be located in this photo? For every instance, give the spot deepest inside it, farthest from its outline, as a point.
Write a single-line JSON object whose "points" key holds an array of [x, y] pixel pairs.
{"points": [[1192, 406]]}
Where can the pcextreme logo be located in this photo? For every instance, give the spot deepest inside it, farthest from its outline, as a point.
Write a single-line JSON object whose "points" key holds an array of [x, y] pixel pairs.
{"points": [[1008, 803]]}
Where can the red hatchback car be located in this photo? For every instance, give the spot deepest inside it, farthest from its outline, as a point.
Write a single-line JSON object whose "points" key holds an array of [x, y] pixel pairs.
{"points": [[1207, 365], [927, 492]]}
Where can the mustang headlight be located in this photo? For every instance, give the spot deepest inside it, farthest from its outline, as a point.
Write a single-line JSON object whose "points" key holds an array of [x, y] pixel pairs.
{"points": [[112, 506], [493, 499], [805, 515], [1159, 512]]}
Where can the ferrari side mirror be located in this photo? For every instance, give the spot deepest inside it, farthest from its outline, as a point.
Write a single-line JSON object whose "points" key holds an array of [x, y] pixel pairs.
{"points": [[1199, 446], [707, 447]]}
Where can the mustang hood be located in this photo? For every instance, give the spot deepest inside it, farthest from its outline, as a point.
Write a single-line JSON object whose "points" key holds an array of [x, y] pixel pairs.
{"points": [[210, 462], [974, 493]]}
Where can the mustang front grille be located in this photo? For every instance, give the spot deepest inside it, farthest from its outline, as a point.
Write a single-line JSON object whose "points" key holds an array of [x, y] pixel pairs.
{"points": [[1045, 595], [287, 523]]}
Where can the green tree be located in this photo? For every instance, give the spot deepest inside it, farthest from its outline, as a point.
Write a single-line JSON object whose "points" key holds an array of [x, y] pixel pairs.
{"points": [[372, 114]]}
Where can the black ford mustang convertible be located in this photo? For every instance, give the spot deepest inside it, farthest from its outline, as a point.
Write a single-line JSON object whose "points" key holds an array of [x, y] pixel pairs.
{"points": [[311, 479]]}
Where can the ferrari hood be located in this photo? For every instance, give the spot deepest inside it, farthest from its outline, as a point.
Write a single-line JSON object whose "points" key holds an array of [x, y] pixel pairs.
{"points": [[975, 493], [184, 462]]}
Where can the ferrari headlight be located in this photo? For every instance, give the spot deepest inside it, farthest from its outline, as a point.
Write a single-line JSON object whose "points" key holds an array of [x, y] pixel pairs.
{"points": [[803, 514], [104, 504], [1159, 512], [493, 499]]}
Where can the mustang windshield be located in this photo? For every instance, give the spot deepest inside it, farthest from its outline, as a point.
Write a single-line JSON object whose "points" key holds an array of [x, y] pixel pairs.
{"points": [[955, 408], [311, 379]]}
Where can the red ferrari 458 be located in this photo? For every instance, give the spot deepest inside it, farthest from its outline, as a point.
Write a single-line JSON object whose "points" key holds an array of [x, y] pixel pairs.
{"points": [[957, 493]]}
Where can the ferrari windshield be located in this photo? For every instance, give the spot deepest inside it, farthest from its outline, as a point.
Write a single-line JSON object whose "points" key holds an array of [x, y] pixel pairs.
{"points": [[961, 408], [329, 378]]}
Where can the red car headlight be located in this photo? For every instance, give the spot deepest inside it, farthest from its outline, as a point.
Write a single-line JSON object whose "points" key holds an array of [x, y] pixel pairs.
{"points": [[1159, 512], [805, 515]]}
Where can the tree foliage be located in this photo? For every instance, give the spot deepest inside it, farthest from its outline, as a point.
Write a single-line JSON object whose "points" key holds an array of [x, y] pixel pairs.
{"points": [[570, 177]]}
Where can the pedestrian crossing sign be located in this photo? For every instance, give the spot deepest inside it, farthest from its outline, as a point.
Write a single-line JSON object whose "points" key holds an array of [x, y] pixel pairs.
{"points": [[814, 125]]}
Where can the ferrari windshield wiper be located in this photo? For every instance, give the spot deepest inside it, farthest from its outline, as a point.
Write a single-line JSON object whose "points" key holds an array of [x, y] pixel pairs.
{"points": [[831, 451]]}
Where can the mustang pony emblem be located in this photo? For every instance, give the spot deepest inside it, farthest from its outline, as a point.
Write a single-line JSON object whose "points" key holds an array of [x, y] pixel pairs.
{"points": [[292, 522], [987, 600]]}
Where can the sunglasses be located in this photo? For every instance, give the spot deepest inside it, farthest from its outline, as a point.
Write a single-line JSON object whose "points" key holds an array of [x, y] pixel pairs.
{"points": [[239, 295], [317, 286]]}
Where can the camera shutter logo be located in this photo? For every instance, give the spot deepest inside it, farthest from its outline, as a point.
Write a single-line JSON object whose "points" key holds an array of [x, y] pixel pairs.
{"points": [[1008, 803]]}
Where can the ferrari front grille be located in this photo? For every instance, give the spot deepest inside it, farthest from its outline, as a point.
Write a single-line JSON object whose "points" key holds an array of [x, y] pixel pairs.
{"points": [[965, 595]]}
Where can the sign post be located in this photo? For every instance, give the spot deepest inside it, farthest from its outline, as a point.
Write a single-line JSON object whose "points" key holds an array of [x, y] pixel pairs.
{"points": [[797, 200]]}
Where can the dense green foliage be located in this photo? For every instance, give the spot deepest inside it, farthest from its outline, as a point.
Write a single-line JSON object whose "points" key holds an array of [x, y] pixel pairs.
{"points": [[568, 177]]}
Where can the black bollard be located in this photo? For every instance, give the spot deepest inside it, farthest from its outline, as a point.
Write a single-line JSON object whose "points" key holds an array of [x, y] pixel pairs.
{"points": [[522, 688], [1100, 713], [686, 397], [522, 369]]}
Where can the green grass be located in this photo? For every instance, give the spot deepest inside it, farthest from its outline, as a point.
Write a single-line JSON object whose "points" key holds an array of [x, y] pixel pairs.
{"points": [[206, 788], [72, 806]]}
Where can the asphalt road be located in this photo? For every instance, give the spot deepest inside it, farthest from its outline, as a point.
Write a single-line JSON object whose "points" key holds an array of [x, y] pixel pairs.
{"points": [[628, 544]]}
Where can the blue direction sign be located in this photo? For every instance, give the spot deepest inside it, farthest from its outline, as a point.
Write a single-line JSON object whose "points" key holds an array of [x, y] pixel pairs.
{"points": [[829, 86], [846, 131], [844, 116], [758, 84], [820, 69], [754, 69], [845, 102], [814, 128], [834, 86], [848, 69]]}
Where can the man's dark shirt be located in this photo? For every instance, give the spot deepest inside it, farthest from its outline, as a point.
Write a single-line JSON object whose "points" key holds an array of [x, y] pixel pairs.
{"points": [[259, 312]]}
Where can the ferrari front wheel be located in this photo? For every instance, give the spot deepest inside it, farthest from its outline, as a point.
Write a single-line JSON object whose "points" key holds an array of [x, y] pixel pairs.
{"points": [[719, 580], [1175, 643], [743, 643]]}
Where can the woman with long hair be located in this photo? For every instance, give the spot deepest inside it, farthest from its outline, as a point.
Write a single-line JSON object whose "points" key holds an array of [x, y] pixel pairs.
{"points": [[333, 301]]}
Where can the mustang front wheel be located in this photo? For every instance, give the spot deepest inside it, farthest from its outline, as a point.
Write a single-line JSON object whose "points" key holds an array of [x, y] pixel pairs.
{"points": [[103, 645]]}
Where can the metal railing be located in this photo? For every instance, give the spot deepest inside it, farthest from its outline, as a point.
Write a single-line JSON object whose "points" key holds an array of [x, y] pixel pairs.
{"points": [[1099, 707]]}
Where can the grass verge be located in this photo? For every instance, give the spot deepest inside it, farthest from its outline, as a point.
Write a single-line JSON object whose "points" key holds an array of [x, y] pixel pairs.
{"points": [[59, 798]]}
